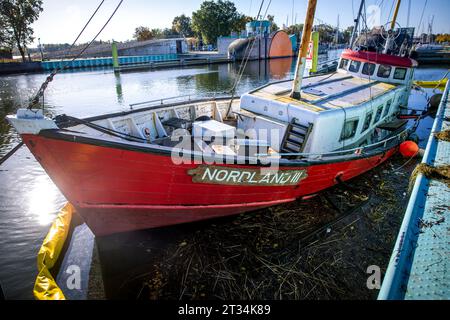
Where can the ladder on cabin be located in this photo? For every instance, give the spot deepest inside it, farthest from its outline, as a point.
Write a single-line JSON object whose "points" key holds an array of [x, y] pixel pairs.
{"points": [[294, 140]]}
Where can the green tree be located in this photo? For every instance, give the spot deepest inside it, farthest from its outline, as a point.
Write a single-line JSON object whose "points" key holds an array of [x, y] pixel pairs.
{"points": [[17, 17], [142, 34], [240, 22], [5, 36], [214, 19], [348, 34], [182, 25], [296, 29], [273, 26]]}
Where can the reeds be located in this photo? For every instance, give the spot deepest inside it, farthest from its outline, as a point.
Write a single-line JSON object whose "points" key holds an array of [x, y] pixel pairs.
{"points": [[266, 254]]}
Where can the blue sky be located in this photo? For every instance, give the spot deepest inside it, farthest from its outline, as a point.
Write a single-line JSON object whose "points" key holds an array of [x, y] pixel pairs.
{"points": [[63, 19]]}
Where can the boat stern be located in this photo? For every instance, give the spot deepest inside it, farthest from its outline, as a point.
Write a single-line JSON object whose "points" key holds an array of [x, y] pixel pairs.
{"points": [[27, 121]]}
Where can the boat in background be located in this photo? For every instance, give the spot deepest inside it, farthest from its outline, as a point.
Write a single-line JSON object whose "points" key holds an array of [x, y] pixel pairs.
{"points": [[168, 163]]}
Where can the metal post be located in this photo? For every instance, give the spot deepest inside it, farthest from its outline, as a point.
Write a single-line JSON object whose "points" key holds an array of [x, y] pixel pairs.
{"points": [[40, 49], [355, 28], [115, 55], [306, 36]]}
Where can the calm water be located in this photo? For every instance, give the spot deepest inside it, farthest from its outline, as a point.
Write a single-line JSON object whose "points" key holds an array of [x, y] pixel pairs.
{"points": [[29, 200]]}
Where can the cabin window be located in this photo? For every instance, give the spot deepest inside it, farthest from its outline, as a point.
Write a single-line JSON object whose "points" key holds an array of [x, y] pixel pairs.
{"points": [[378, 115], [354, 66], [349, 129], [388, 108], [368, 69], [400, 73], [384, 71], [344, 64], [367, 122]]}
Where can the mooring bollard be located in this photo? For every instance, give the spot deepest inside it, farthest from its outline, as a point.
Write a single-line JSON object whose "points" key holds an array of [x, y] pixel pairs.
{"points": [[115, 56]]}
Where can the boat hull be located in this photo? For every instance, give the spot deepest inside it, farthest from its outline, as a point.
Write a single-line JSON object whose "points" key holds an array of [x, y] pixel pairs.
{"points": [[118, 189]]}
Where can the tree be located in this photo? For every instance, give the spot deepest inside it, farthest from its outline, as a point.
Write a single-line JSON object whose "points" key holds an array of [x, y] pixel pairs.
{"points": [[143, 34], [296, 29], [182, 25], [17, 16], [215, 19], [348, 34], [5, 36], [240, 22], [273, 26]]}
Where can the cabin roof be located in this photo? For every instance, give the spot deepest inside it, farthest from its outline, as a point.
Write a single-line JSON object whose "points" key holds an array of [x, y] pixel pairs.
{"points": [[379, 58], [327, 92]]}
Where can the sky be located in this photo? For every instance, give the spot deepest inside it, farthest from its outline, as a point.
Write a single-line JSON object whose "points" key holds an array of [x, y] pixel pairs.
{"points": [[62, 20]]}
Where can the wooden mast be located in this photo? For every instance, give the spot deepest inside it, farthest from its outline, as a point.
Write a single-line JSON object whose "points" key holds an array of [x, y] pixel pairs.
{"points": [[306, 36], [391, 30]]}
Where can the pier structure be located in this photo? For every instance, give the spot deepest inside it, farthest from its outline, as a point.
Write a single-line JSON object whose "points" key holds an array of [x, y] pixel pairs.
{"points": [[420, 262]]}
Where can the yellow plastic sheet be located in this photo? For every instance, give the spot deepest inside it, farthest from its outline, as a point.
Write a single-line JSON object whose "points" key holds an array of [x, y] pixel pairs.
{"points": [[45, 287]]}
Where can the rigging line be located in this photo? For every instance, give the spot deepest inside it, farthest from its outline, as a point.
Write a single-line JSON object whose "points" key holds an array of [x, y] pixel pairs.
{"points": [[247, 53], [40, 93], [421, 17], [248, 56], [390, 12], [238, 80], [84, 28], [232, 89]]}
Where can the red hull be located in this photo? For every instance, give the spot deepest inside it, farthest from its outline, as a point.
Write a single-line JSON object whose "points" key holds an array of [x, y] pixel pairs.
{"points": [[117, 190]]}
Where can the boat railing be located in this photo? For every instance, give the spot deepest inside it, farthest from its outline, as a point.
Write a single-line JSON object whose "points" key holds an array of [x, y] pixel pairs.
{"points": [[186, 98], [161, 101], [359, 151]]}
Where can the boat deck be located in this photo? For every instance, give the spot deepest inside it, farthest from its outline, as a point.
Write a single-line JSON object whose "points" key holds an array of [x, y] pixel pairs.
{"points": [[327, 92], [420, 263]]}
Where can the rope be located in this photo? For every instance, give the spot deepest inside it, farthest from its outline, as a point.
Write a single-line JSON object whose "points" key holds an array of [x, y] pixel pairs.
{"points": [[84, 28], [244, 62], [106, 130], [44, 85], [423, 12], [11, 152]]}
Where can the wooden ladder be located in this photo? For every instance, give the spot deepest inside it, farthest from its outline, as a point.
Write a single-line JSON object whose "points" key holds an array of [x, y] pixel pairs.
{"points": [[294, 141]]}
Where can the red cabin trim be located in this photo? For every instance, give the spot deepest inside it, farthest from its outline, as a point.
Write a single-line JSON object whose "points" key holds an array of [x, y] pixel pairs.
{"points": [[379, 58]]}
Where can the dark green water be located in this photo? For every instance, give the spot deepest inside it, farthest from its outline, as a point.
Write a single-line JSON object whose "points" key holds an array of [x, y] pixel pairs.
{"points": [[29, 200]]}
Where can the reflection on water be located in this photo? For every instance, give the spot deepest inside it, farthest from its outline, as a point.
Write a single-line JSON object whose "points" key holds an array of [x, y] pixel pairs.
{"points": [[28, 198], [41, 198]]}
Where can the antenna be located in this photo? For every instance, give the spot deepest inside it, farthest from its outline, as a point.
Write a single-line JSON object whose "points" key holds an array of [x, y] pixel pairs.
{"points": [[292, 16], [430, 29], [336, 37], [409, 13]]}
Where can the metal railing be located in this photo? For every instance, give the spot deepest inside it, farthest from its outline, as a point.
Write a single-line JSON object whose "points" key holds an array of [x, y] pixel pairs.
{"points": [[160, 101], [360, 151]]}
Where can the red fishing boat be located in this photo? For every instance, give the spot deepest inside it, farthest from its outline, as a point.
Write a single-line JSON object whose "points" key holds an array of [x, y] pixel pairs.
{"points": [[171, 163]]}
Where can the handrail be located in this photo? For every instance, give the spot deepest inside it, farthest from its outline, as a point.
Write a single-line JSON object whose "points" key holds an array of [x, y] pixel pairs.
{"points": [[160, 100], [360, 150]]}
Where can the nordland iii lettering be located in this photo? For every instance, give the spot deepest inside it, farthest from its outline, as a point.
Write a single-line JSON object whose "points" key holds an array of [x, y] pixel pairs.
{"points": [[232, 176]]}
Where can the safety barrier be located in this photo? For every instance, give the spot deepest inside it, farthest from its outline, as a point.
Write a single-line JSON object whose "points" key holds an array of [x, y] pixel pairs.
{"points": [[45, 286]]}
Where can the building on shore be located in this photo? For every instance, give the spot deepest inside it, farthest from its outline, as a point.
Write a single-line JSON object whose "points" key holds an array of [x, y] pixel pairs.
{"points": [[257, 42], [131, 48]]}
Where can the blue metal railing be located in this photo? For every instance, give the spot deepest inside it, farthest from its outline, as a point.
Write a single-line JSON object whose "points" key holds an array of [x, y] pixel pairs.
{"points": [[105, 62]]}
